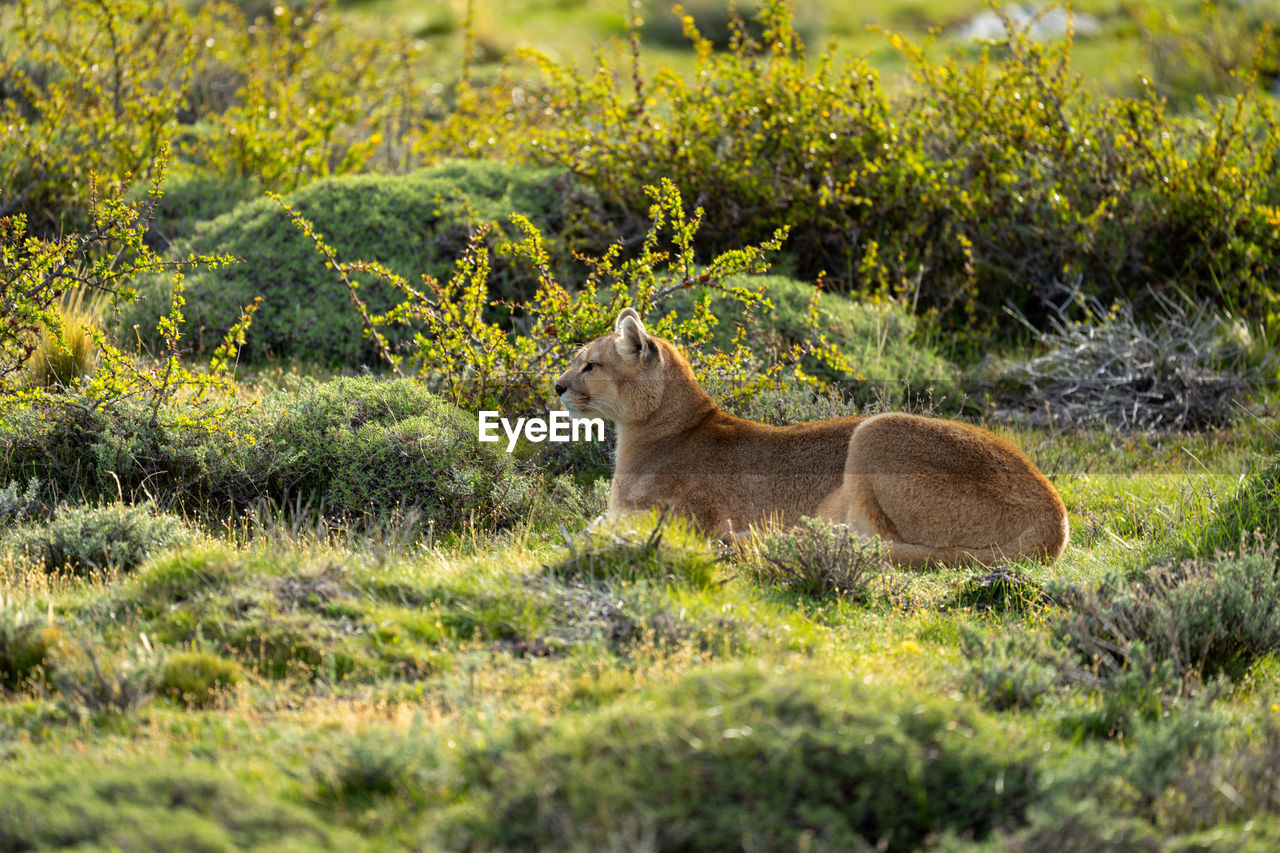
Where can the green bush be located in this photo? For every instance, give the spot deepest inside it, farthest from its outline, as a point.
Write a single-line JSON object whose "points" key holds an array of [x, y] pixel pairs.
{"points": [[1007, 673], [364, 446], [483, 362], [351, 447], [17, 505], [372, 767], [734, 757], [94, 540], [412, 224], [991, 179], [191, 197]]}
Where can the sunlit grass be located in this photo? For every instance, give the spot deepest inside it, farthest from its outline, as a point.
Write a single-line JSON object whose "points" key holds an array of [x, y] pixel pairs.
{"points": [[411, 644]]}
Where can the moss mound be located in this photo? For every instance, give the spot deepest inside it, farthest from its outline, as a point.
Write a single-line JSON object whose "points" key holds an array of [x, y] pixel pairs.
{"points": [[413, 224], [739, 757], [142, 808]]}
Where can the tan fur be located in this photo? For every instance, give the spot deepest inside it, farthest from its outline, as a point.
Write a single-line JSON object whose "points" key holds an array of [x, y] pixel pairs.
{"points": [[936, 491]]}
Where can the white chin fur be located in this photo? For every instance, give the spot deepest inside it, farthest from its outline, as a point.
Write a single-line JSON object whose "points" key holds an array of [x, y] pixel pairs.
{"points": [[575, 413]]}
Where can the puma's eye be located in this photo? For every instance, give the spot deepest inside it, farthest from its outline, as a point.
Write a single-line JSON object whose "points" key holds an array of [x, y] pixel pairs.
{"points": [[588, 366]]}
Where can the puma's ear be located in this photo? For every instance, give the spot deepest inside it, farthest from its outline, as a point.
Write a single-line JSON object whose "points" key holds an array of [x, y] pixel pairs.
{"points": [[633, 340], [622, 315]]}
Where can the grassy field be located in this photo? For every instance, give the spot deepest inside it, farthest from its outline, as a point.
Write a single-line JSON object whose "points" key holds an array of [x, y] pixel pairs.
{"points": [[257, 592], [278, 680]]}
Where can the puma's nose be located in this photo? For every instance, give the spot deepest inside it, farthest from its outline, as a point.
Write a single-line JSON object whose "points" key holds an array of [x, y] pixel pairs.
{"points": [[560, 389]]}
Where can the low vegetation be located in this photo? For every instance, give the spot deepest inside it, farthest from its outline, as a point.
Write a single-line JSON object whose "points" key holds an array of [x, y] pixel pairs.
{"points": [[249, 600]]}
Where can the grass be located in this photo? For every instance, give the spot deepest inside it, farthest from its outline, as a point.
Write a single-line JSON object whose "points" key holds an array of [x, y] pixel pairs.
{"points": [[511, 690], [271, 678]]}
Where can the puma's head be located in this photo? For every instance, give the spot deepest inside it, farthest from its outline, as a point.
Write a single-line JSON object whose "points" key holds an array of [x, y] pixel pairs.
{"points": [[619, 376]]}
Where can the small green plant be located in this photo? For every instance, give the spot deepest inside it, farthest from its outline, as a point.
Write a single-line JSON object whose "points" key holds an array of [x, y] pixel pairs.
{"points": [[373, 767], [196, 678], [67, 353], [27, 645], [98, 540], [655, 549], [17, 504], [1007, 673], [818, 558]]}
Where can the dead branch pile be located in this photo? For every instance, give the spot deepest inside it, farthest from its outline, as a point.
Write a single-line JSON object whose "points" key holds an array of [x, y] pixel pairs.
{"points": [[1183, 371]]}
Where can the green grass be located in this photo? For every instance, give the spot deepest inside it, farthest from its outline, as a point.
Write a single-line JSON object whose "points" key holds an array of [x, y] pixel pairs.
{"points": [[508, 690]]}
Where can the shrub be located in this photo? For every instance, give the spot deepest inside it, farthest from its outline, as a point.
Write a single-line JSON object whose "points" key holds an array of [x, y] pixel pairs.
{"points": [[818, 558], [1184, 369], [194, 678], [364, 446], [481, 362], [351, 447], [733, 757], [372, 767], [990, 180], [191, 197], [92, 92], [96, 540], [879, 340], [1007, 673], [17, 506], [1178, 623], [412, 224], [84, 447], [280, 99]]}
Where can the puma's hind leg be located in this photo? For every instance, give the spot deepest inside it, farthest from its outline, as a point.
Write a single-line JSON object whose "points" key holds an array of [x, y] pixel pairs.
{"points": [[944, 492]]}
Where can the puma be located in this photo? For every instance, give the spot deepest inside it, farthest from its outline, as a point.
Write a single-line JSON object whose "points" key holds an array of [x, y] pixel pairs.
{"points": [[936, 491]]}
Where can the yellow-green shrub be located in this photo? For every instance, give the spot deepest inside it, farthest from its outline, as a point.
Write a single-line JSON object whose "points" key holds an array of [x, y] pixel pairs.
{"points": [[992, 179]]}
